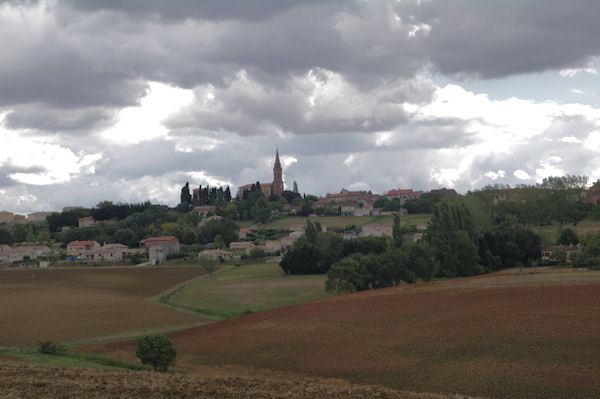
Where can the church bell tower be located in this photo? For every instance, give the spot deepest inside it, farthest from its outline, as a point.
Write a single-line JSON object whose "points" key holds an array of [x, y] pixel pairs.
{"points": [[277, 177]]}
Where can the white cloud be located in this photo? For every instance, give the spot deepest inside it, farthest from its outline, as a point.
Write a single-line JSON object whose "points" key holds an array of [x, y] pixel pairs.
{"points": [[521, 175], [145, 122], [349, 160], [201, 177], [593, 140], [570, 139], [590, 67], [495, 175], [39, 161], [287, 160]]}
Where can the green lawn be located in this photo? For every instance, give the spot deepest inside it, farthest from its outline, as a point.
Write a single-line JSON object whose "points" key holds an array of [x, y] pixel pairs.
{"points": [[247, 288], [30, 357]]}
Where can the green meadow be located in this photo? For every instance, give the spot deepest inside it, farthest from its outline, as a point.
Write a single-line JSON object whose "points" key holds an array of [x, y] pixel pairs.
{"points": [[245, 289]]}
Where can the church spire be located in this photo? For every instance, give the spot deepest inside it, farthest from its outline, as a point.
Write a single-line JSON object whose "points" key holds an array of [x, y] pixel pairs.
{"points": [[277, 163], [277, 177]]}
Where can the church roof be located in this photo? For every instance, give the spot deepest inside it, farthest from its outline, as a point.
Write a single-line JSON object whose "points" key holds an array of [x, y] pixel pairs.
{"points": [[277, 163]]}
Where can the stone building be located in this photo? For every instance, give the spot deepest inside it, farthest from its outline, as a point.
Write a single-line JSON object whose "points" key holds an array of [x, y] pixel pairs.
{"points": [[269, 190]]}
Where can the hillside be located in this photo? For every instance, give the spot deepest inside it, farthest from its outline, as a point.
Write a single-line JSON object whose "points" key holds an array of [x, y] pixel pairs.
{"points": [[503, 335]]}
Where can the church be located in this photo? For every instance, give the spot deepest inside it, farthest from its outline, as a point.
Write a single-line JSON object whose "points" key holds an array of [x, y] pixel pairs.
{"points": [[269, 190]]}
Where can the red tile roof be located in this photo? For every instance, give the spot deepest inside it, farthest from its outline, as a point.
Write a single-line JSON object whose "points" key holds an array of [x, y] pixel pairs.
{"points": [[159, 239], [344, 195], [398, 192], [81, 243]]}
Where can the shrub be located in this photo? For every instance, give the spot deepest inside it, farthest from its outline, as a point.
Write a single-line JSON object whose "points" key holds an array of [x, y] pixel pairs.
{"points": [[256, 253], [157, 351], [51, 348]]}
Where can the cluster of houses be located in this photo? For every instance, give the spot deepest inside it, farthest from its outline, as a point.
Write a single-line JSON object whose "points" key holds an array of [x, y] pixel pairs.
{"points": [[92, 250], [158, 248], [23, 252], [237, 248], [358, 203], [34, 217]]}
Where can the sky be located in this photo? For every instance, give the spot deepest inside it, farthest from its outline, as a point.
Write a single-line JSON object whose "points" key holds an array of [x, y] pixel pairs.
{"points": [[127, 101]]}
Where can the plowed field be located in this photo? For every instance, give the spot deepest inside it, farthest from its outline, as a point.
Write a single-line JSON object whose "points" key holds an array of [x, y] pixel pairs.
{"points": [[519, 336], [66, 305], [42, 383]]}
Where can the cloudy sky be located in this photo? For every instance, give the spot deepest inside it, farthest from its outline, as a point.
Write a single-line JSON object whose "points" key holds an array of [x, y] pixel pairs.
{"points": [[128, 100]]}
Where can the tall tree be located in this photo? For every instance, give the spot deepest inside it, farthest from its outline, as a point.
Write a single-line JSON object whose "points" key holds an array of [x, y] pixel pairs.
{"points": [[186, 197], [397, 231], [451, 235]]}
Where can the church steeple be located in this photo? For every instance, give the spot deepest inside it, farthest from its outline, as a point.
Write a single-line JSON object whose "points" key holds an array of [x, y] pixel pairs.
{"points": [[277, 176], [277, 163]]}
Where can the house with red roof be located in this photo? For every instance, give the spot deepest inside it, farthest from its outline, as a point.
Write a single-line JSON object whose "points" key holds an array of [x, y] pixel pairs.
{"points": [[159, 248], [152, 241], [82, 249], [402, 195]]}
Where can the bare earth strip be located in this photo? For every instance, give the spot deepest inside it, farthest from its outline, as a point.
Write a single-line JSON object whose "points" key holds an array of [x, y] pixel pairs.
{"points": [[518, 336], [37, 382], [66, 305]]}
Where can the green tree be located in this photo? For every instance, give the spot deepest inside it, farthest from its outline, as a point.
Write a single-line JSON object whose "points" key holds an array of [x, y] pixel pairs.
{"points": [[301, 258], [125, 237], [218, 242], [568, 237], [311, 231], [559, 256], [346, 276], [256, 253], [157, 351], [186, 197], [397, 231], [5, 237], [451, 235], [420, 260]]}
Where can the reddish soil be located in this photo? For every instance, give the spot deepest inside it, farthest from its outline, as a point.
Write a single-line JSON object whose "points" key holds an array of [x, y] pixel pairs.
{"points": [[37, 382], [534, 337], [66, 305]]}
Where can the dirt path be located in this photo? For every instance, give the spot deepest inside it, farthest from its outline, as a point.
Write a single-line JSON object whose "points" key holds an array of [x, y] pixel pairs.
{"points": [[50, 383]]}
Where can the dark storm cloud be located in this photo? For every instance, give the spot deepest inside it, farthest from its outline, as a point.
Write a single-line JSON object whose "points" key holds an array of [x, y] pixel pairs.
{"points": [[184, 9], [8, 169], [39, 116], [491, 39], [100, 54]]}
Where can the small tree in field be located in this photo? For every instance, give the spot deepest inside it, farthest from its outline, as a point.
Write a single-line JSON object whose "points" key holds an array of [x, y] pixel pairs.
{"points": [[158, 351]]}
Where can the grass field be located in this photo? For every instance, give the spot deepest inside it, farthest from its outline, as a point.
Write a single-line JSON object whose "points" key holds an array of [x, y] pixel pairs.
{"points": [[335, 222], [31, 357], [504, 335], [247, 288], [551, 233], [67, 305]]}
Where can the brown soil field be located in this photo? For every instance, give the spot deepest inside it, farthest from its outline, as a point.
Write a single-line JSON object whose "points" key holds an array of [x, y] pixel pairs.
{"points": [[67, 305], [504, 335], [36, 382]]}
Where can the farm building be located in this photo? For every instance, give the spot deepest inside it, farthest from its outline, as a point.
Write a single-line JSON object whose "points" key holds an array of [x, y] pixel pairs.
{"points": [[242, 246], [569, 249], [215, 254], [377, 230], [152, 241], [112, 252], [82, 249]]}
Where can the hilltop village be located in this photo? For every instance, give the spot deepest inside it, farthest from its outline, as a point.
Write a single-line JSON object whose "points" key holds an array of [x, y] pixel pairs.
{"points": [[264, 219]]}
